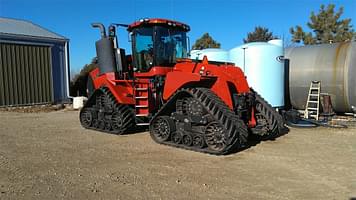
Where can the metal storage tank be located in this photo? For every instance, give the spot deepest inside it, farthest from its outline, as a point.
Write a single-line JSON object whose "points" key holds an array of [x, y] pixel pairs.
{"points": [[263, 65], [34, 67], [332, 64], [213, 54]]}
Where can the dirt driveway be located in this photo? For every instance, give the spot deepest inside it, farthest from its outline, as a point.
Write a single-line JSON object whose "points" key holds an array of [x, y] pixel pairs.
{"points": [[49, 156]]}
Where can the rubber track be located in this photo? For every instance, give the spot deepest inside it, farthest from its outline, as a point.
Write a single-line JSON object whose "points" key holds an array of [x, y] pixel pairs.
{"points": [[275, 120], [128, 115], [236, 131]]}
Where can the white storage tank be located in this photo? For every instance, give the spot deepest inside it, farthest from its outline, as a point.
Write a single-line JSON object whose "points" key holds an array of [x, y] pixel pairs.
{"points": [[263, 65], [213, 54]]}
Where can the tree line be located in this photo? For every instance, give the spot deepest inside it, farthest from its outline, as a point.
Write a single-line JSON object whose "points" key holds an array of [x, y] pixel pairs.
{"points": [[326, 26]]}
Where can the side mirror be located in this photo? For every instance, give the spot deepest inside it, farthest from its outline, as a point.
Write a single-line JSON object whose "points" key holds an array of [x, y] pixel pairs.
{"points": [[129, 36]]}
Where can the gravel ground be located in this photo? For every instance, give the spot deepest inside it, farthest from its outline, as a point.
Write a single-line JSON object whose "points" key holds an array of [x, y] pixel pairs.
{"points": [[49, 156]]}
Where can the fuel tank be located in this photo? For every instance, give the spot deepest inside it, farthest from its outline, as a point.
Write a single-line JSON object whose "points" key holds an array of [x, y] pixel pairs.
{"points": [[332, 64]]}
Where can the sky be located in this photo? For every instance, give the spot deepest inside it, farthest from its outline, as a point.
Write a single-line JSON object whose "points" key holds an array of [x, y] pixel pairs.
{"points": [[227, 21]]}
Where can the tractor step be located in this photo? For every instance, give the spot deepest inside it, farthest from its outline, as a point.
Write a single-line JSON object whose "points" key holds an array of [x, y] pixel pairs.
{"points": [[142, 124], [141, 97], [142, 115], [141, 103], [141, 89], [141, 106]]}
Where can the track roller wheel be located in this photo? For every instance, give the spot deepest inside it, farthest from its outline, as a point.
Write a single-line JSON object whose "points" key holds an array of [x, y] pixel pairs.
{"points": [[101, 125], [108, 125], [117, 122], [95, 123], [177, 137], [198, 141], [162, 128], [214, 137], [187, 140], [86, 118]]}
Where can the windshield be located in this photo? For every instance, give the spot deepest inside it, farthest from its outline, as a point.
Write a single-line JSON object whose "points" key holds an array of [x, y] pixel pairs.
{"points": [[158, 46]]}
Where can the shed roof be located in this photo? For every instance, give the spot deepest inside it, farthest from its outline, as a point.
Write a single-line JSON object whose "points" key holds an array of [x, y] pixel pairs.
{"points": [[18, 27]]}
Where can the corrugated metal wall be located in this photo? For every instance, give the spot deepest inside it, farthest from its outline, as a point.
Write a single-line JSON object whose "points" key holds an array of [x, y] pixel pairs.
{"points": [[25, 74]]}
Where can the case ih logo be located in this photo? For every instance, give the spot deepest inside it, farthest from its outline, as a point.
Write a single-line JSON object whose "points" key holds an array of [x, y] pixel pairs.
{"points": [[280, 58]]}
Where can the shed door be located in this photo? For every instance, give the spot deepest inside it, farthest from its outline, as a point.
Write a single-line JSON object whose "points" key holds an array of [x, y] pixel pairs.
{"points": [[25, 74]]}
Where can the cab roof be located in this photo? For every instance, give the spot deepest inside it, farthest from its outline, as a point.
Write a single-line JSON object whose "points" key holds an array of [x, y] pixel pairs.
{"points": [[158, 21]]}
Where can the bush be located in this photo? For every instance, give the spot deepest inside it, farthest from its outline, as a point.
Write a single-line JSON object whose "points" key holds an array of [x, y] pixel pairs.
{"points": [[78, 86]]}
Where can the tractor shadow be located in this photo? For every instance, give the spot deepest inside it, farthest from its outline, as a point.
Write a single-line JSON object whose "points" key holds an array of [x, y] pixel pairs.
{"points": [[137, 130], [254, 140]]}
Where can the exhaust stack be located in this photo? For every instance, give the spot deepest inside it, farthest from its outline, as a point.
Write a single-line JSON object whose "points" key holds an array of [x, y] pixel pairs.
{"points": [[101, 27], [105, 51]]}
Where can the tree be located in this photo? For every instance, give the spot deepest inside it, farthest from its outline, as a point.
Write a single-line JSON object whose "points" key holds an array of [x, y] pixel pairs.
{"points": [[260, 34], [326, 26], [78, 86], [206, 41]]}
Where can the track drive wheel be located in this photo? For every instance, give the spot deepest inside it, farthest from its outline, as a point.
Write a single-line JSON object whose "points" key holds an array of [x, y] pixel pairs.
{"points": [[162, 128]]}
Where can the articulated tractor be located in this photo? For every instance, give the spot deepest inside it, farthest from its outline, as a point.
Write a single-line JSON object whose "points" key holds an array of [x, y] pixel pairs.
{"points": [[197, 105]]}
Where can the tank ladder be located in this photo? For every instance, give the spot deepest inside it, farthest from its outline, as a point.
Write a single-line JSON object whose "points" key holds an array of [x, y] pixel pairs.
{"points": [[141, 91], [313, 101]]}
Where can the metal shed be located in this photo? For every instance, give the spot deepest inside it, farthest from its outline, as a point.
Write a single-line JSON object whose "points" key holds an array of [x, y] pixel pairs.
{"points": [[34, 65]]}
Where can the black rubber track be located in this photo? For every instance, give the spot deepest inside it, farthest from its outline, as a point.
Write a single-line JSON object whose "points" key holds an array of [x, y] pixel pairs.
{"points": [[274, 119], [124, 111], [235, 130]]}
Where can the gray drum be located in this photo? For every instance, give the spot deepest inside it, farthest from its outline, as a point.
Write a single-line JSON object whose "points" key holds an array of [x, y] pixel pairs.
{"points": [[332, 64]]}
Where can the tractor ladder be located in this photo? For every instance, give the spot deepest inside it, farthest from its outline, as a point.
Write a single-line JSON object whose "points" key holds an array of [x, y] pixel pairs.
{"points": [[141, 95], [313, 101]]}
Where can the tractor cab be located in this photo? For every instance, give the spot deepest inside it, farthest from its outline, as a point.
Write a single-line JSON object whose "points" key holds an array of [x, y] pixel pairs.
{"points": [[157, 42]]}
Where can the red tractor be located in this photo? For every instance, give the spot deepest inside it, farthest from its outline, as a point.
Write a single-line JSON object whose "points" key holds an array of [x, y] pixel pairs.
{"points": [[197, 105]]}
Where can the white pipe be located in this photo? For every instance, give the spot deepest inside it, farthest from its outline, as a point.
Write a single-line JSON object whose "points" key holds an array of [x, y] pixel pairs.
{"points": [[66, 57]]}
